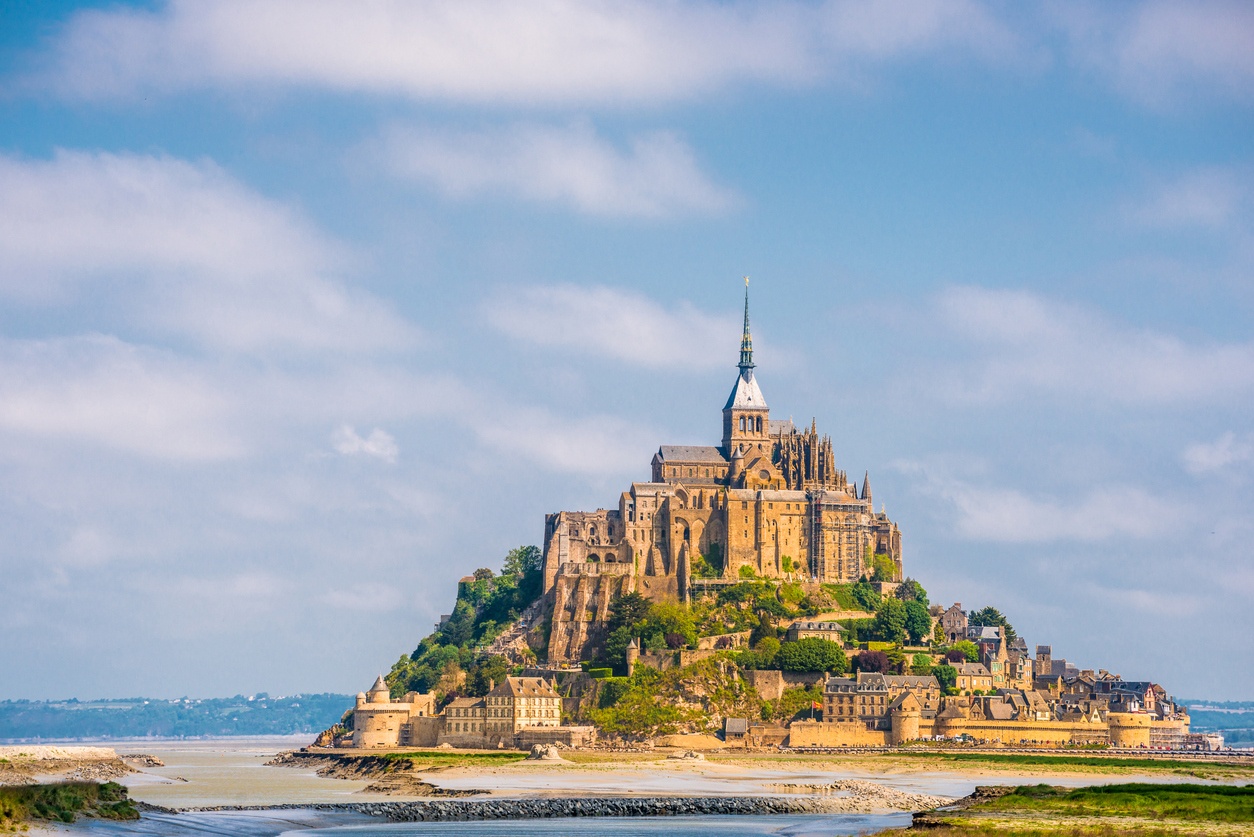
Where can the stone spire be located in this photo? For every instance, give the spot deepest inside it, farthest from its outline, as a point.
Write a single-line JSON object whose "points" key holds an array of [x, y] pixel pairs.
{"points": [[866, 488], [746, 342]]}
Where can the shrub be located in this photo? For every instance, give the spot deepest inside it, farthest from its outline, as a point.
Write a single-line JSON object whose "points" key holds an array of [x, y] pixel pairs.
{"points": [[871, 661], [812, 654]]}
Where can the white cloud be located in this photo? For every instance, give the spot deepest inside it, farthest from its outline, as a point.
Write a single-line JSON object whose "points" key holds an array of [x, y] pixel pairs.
{"points": [[657, 176], [101, 391], [1210, 197], [1228, 449], [183, 249], [1010, 516], [1166, 53], [612, 323], [379, 444], [1030, 345], [499, 52], [593, 446]]}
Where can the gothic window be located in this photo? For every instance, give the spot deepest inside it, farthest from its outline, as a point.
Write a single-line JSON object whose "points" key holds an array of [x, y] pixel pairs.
{"points": [[742, 424], [759, 423]]}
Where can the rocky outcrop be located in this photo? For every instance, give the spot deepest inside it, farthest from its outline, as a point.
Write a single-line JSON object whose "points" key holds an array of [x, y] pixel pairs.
{"points": [[870, 793], [27, 764]]}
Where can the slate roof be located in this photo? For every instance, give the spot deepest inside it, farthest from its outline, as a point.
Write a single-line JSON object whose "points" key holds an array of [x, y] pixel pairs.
{"points": [[525, 687], [735, 726], [972, 669], [692, 453], [745, 394], [802, 625]]}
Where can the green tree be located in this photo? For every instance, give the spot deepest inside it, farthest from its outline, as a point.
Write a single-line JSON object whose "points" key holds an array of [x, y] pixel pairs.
{"points": [[522, 560], [946, 676], [968, 649], [767, 648], [865, 596], [764, 628], [812, 654], [885, 569], [614, 652], [911, 591], [628, 610], [921, 664], [483, 574], [669, 618], [890, 621], [991, 617], [486, 673], [918, 621]]}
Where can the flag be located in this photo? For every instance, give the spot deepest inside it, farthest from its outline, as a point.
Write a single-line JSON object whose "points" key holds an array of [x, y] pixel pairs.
{"points": [[814, 704]]}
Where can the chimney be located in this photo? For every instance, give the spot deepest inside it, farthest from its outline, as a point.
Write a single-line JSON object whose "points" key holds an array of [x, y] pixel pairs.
{"points": [[491, 684]]}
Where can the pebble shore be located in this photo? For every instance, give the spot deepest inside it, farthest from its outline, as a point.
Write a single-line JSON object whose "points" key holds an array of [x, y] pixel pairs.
{"points": [[455, 810]]}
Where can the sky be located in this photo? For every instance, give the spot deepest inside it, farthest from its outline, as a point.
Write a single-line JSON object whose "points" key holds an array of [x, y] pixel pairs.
{"points": [[309, 308]]}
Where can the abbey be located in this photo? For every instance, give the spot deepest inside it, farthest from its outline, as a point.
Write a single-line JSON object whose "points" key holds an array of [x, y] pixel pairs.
{"points": [[769, 500]]}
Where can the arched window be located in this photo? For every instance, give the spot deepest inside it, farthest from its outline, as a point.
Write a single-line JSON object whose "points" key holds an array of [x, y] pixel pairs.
{"points": [[742, 424], [759, 423]]}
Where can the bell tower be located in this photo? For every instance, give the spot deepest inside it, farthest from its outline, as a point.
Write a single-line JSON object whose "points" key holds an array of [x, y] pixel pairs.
{"points": [[746, 418]]}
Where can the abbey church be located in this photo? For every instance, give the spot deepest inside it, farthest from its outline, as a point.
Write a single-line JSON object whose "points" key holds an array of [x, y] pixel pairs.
{"points": [[768, 500]]}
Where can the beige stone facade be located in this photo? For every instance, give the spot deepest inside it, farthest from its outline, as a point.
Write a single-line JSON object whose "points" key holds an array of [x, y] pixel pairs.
{"points": [[378, 721], [769, 499], [521, 710]]}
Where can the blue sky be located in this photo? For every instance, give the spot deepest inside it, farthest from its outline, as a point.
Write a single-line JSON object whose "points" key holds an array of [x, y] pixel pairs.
{"points": [[308, 309]]}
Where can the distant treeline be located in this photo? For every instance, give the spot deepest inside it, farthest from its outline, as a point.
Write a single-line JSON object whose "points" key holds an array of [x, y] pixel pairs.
{"points": [[24, 720], [1234, 718]]}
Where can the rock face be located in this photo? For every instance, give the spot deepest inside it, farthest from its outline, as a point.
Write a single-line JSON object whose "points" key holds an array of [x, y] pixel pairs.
{"points": [[581, 605]]}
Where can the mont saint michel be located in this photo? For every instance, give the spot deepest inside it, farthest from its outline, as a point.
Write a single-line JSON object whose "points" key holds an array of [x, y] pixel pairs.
{"points": [[656, 418], [769, 501]]}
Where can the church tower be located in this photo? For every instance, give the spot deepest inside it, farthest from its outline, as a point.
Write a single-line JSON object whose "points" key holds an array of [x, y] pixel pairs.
{"points": [[746, 419]]}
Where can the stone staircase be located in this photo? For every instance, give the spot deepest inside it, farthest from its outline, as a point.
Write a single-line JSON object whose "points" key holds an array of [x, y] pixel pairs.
{"points": [[512, 641]]}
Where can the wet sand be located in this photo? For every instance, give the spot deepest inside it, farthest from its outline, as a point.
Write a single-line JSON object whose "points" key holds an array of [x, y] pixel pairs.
{"points": [[234, 772]]}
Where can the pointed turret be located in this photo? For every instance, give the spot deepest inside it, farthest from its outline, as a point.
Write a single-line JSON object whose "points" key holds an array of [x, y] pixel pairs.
{"points": [[379, 692], [746, 342], [866, 489], [746, 418]]}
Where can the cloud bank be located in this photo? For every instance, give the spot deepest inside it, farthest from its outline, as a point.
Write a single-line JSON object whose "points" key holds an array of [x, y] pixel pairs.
{"points": [[657, 176], [184, 250], [487, 51]]}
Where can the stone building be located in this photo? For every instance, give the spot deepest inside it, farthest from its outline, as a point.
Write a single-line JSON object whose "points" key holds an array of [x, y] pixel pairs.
{"points": [[972, 677], [378, 721], [521, 710], [869, 697], [769, 499], [807, 629], [954, 623]]}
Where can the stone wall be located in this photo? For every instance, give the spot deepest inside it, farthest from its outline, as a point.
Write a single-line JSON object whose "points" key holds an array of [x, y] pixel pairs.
{"points": [[835, 734]]}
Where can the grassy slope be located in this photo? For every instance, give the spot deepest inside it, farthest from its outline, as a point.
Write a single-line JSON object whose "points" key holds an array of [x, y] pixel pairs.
{"points": [[1143, 810], [1209, 803], [63, 802]]}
